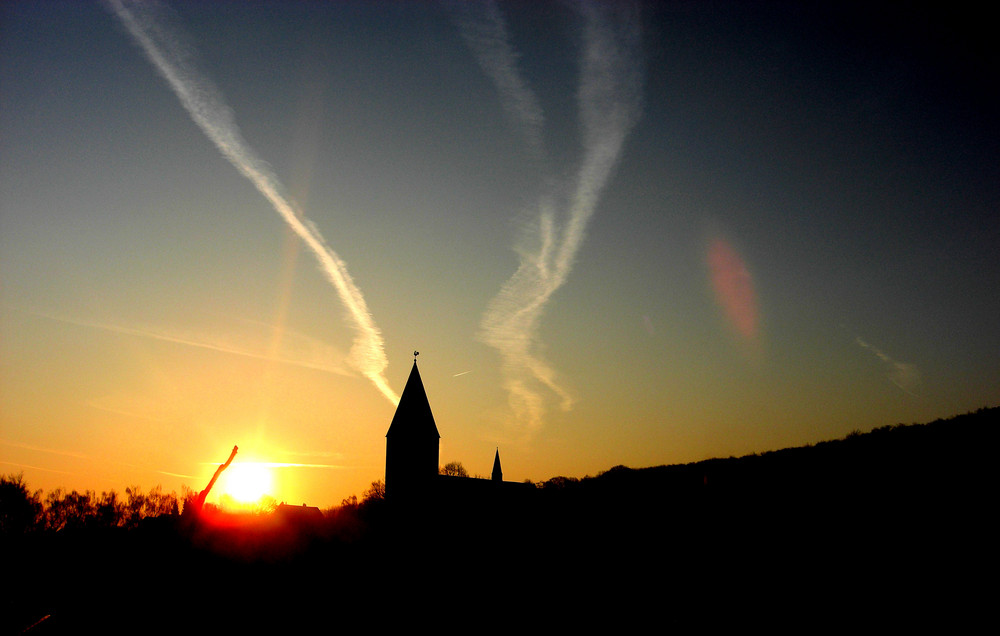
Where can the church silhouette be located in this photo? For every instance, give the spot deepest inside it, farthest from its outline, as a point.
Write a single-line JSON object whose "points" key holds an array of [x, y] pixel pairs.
{"points": [[412, 458]]}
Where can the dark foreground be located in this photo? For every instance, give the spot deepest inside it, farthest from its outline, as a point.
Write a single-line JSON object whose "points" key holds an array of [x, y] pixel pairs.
{"points": [[871, 532]]}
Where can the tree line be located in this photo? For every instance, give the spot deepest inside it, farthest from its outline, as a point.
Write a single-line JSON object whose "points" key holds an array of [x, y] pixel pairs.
{"points": [[944, 456], [23, 510]]}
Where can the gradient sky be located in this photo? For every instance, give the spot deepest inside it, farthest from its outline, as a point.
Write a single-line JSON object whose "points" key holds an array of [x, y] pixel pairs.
{"points": [[617, 235]]}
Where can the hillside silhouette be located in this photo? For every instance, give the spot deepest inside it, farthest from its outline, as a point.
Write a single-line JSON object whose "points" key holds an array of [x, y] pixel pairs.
{"points": [[893, 524], [937, 461]]}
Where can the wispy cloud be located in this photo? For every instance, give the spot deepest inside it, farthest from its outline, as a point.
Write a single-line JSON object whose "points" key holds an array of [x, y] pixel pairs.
{"points": [[39, 449], [32, 467], [42, 449], [295, 348], [313, 453], [609, 99], [904, 375], [150, 26], [297, 465], [485, 31], [170, 474], [282, 465]]}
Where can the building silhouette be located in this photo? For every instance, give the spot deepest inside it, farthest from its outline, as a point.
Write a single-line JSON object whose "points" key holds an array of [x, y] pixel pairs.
{"points": [[412, 453], [412, 442]]}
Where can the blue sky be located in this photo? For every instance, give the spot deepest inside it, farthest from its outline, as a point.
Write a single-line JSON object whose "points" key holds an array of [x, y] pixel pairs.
{"points": [[618, 234]]}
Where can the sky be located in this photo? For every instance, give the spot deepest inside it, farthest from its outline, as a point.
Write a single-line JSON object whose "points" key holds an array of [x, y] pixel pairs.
{"points": [[617, 234]]}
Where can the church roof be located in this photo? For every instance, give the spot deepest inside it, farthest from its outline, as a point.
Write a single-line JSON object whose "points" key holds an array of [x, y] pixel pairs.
{"points": [[413, 418]]}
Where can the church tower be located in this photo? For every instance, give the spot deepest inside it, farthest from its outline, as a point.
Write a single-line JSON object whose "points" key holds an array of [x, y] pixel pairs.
{"points": [[412, 443]]}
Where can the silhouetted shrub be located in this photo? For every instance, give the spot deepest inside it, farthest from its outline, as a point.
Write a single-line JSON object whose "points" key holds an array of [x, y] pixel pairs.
{"points": [[20, 510]]}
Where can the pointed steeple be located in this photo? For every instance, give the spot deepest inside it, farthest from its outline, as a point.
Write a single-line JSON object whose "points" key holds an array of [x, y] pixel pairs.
{"points": [[412, 442], [413, 417], [497, 473]]}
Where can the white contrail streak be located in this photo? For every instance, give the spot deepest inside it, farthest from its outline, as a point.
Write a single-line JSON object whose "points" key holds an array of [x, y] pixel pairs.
{"points": [[42, 449], [296, 349], [163, 45], [609, 103], [180, 475], [485, 31], [904, 375]]}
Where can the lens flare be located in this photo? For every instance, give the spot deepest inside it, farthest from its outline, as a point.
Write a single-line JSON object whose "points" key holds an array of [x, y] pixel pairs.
{"points": [[733, 288]]}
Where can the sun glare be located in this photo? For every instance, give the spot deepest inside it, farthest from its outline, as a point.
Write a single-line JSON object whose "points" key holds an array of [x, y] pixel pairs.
{"points": [[247, 482]]}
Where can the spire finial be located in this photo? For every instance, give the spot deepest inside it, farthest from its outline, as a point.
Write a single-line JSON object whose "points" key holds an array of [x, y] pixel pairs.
{"points": [[415, 354]]}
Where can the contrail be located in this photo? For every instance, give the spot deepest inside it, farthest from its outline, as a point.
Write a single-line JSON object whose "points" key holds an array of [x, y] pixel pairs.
{"points": [[297, 349], [904, 375], [170, 474], [33, 467], [42, 449], [609, 100], [165, 47], [295, 465], [485, 31]]}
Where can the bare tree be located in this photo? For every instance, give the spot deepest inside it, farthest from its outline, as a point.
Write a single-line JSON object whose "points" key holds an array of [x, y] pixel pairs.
{"points": [[20, 510], [375, 493], [454, 469]]}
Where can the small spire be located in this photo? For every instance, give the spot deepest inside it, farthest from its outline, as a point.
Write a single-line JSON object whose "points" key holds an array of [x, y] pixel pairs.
{"points": [[497, 473]]}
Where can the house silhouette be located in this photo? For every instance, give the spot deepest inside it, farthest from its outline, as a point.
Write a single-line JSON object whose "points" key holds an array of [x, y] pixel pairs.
{"points": [[412, 452]]}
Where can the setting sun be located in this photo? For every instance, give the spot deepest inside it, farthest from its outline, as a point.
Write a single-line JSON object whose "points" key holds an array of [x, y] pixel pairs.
{"points": [[247, 482]]}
